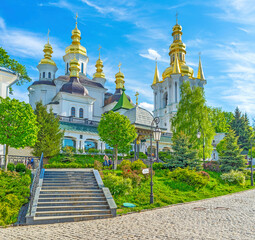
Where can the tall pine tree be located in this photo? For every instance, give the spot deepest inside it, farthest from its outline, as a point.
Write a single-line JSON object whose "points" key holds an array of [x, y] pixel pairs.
{"points": [[49, 138], [230, 156], [240, 124], [183, 155]]}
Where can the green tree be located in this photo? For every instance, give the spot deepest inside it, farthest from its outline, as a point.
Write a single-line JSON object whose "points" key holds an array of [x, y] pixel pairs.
{"points": [[240, 124], [18, 128], [230, 156], [183, 155], [219, 120], [193, 116], [6, 61], [117, 131], [50, 135]]}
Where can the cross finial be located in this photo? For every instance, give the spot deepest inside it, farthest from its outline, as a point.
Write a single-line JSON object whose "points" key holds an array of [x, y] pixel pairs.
{"points": [[176, 17], [136, 94], [119, 66], [99, 50], [48, 35], [76, 19]]}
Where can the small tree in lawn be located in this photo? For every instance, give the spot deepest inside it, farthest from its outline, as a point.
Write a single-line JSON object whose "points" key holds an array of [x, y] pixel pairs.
{"points": [[18, 127], [50, 135], [230, 156], [183, 155], [117, 131]]}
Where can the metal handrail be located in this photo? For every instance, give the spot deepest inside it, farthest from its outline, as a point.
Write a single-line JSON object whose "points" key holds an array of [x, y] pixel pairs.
{"points": [[35, 183]]}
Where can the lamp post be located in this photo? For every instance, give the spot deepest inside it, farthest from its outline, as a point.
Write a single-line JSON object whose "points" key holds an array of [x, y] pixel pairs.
{"points": [[251, 168], [199, 136], [156, 135]]}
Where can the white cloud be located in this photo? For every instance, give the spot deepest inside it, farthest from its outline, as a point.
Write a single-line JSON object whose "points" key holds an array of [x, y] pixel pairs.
{"points": [[27, 44], [147, 106], [2, 24], [153, 55]]}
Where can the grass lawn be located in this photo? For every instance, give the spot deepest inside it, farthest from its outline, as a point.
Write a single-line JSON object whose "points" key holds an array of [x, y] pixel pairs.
{"points": [[79, 158], [167, 192]]}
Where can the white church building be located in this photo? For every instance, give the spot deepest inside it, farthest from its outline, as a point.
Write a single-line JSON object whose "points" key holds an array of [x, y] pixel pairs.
{"points": [[80, 101]]}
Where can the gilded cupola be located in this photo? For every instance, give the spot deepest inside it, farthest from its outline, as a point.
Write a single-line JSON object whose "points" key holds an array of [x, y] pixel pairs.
{"points": [[177, 49], [76, 46], [47, 54], [99, 68], [119, 79], [74, 68]]}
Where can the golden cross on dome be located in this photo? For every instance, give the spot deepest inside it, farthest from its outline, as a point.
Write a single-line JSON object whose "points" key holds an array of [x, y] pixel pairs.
{"points": [[48, 35], [76, 18], [119, 66], [99, 50], [136, 94], [176, 17]]}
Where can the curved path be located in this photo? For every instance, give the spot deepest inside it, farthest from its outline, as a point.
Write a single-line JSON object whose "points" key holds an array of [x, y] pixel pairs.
{"points": [[226, 217]]}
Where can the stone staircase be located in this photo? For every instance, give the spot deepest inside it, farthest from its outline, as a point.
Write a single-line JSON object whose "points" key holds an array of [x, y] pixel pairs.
{"points": [[70, 195]]}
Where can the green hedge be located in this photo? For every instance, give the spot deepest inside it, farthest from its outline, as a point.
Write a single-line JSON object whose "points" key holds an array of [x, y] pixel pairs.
{"points": [[69, 165], [14, 192]]}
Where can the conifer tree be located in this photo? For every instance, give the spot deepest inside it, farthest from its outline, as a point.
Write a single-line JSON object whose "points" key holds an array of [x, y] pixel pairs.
{"points": [[230, 156], [240, 124], [183, 155], [49, 138]]}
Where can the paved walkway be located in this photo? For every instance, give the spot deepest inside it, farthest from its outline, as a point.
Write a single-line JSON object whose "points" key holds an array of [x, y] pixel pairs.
{"points": [[227, 217]]}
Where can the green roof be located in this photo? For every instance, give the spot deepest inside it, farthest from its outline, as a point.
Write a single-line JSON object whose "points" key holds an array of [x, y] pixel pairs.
{"points": [[123, 102], [78, 127]]}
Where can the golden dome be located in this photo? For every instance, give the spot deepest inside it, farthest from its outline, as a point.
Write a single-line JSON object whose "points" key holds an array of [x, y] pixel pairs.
{"points": [[47, 55], [119, 79], [76, 47], [99, 68], [74, 68]]}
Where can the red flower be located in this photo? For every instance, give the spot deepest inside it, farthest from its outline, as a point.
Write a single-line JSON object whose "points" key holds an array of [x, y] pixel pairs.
{"points": [[128, 170]]}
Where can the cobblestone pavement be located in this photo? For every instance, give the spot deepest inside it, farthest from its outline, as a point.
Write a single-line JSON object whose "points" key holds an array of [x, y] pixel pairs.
{"points": [[227, 217]]}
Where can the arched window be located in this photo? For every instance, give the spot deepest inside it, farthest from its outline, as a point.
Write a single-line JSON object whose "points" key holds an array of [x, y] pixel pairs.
{"points": [[81, 113], [73, 111], [43, 75], [49, 75], [82, 67], [67, 68], [176, 92], [165, 97]]}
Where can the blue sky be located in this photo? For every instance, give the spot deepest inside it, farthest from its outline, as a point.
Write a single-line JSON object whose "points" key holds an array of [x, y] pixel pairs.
{"points": [[135, 33]]}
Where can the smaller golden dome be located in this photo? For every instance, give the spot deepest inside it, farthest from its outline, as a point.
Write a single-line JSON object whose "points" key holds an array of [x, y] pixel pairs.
{"points": [[99, 67], [119, 79], [74, 68], [47, 55]]}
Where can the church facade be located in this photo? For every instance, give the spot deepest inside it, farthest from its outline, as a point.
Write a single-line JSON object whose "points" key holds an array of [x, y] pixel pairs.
{"points": [[79, 101]]}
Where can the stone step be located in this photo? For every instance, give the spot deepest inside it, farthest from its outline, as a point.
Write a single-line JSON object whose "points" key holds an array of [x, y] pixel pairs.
{"points": [[61, 191], [72, 203], [73, 218], [83, 187], [60, 208], [68, 175], [71, 195], [73, 212], [62, 199]]}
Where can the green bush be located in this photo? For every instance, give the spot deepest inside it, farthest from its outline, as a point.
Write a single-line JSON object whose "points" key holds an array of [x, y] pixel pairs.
{"points": [[80, 150], [20, 167], [157, 166], [125, 163], [117, 184], [164, 156], [142, 155], [138, 165], [191, 177], [234, 177], [98, 165], [93, 150], [108, 151], [11, 167], [69, 165]]}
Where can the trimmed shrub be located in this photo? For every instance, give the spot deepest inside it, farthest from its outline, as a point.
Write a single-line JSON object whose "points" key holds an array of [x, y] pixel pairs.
{"points": [[93, 150], [142, 155], [98, 165], [234, 177], [212, 166], [157, 166], [68, 165], [164, 156], [191, 177], [80, 150], [20, 167], [117, 184], [108, 151], [125, 163], [138, 165], [11, 167]]}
